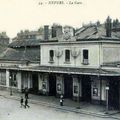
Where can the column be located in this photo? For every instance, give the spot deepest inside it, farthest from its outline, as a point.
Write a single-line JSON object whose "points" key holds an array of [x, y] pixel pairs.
{"points": [[40, 80], [45, 84], [103, 96], [59, 85], [29, 80], [76, 88], [7, 78], [19, 81]]}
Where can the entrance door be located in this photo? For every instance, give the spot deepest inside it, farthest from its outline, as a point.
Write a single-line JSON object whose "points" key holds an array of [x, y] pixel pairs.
{"points": [[35, 83], [114, 94], [68, 86], [52, 85], [86, 88]]}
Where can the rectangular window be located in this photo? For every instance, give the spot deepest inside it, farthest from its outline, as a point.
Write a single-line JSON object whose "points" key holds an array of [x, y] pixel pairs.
{"points": [[51, 55], [67, 55], [85, 57]]}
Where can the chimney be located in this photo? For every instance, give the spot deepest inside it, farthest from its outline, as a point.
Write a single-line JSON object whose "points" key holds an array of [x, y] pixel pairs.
{"points": [[46, 32], [59, 31], [108, 26], [73, 31], [54, 32]]}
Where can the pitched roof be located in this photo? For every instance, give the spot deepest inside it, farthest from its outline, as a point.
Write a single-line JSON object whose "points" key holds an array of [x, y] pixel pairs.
{"points": [[95, 32], [29, 54], [25, 42], [90, 32], [2, 48]]}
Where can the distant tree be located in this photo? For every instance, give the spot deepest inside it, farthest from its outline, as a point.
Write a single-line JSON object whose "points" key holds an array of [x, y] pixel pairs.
{"points": [[108, 26]]}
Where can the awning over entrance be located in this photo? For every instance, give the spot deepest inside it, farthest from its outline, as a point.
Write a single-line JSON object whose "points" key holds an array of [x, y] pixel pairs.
{"points": [[67, 70]]}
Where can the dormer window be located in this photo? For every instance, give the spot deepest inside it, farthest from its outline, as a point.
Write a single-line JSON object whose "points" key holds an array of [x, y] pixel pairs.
{"points": [[51, 55], [67, 55], [85, 57]]}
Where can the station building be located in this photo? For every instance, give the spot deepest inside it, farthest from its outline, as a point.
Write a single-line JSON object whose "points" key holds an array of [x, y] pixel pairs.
{"points": [[83, 65]]}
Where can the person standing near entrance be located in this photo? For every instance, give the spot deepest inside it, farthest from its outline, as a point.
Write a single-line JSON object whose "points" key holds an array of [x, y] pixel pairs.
{"points": [[26, 103]]}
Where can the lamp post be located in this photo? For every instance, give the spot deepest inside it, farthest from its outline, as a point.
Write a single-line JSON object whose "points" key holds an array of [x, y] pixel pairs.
{"points": [[10, 85], [107, 98]]}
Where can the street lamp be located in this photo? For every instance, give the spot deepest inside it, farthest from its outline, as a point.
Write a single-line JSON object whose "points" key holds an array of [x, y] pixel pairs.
{"points": [[107, 98], [10, 85]]}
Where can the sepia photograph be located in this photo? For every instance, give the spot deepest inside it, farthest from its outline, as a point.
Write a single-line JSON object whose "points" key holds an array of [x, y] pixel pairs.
{"points": [[59, 60]]}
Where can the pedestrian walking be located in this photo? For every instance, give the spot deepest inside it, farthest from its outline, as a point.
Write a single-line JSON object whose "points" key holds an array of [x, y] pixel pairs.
{"points": [[21, 101], [26, 93], [26, 103], [61, 100]]}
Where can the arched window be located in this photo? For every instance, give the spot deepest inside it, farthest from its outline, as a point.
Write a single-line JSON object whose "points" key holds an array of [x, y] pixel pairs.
{"points": [[51, 55], [67, 55]]}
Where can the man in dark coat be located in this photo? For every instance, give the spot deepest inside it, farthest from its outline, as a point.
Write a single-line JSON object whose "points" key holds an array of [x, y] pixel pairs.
{"points": [[26, 93]]}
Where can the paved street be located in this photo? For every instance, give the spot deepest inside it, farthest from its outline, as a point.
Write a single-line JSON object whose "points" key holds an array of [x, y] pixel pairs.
{"points": [[10, 110]]}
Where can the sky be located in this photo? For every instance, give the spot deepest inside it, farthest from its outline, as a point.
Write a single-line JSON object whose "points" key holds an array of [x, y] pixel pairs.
{"points": [[16, 15]]}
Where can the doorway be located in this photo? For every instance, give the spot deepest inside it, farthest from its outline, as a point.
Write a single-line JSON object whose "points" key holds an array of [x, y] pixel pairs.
{"points": [[35, 83], [52, 85], [113, 98], [86, 88], [68, 86]]}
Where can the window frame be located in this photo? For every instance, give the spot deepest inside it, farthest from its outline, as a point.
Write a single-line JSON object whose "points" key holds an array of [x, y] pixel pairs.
{"points": [[51, 55], [67, 55], [85, 56]]}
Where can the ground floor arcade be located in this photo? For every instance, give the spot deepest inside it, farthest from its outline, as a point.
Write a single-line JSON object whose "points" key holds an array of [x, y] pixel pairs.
{"points": [[79, 87]]}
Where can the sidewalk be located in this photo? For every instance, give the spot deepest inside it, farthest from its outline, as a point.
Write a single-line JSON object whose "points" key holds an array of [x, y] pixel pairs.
{"points": [[69, 105]]}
